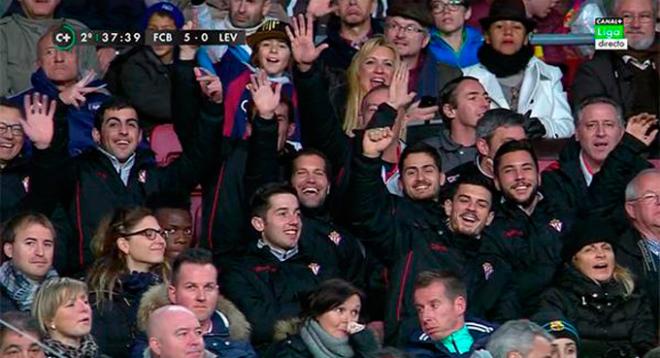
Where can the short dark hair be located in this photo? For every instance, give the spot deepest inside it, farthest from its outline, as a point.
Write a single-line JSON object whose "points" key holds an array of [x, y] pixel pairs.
{"points": [[598, 100], [112, 103], [168, 200], [193, 255], [453, 283], [4, 102], [420, 147], [497, 118], [260, 201], [311, 152], [476, 180], [514, 146], [10, 227], [284, 99], [448, 95], [23, 321], [327, 296]]}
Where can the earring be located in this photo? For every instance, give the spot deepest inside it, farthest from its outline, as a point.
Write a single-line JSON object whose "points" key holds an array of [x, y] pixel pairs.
{"points": [[52, 326]]}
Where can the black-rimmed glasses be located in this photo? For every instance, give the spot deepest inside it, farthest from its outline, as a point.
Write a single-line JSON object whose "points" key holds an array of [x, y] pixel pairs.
{"points": [[149, 233], [16, 129]]}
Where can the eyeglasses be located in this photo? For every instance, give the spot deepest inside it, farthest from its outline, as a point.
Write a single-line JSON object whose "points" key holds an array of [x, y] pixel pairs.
{"points": [[649, 198], [185, 231], [451, 6], [16, 129], [644, 18], [410, 29], [149, 233]]}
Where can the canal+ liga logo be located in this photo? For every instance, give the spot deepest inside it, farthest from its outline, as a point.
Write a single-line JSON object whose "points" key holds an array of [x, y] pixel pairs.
{"points": [[609, 34]]}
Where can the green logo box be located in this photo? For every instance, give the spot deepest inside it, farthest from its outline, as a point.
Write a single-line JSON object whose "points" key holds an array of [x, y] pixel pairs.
{"points": [[609, 28]]}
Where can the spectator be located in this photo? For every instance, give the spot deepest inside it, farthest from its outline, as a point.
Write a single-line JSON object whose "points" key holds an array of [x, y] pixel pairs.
{"points": [[79, 95], [453, 41], [328, 325], [629, 77], [19, 56], [637, 247], [28, 244], [567, 342], [601, 138], [226, 332], [25, 342], [174, 332], [599, 296], [506, 61], [406, 26], [496, 127], [172, 210], [62, 310], [520, 338], [117, 164], [539, 9], [441, 303], [143, 74], [130, 247], [463, 102], [275, 258]]}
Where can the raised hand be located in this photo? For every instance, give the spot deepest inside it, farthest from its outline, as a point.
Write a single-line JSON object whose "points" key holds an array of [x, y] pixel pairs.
{"points": [[265, 97], [375, 141], [187, 52], [399, 96], [74, 95], [301, 35], [38, 124], [644, 127], [417, 113], [320, 8], [209, 83]]}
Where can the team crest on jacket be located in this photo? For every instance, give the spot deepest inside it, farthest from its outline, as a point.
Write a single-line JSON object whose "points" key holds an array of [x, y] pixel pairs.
{"points": [[556, 224], [142, 176], [314, 267], [488, 270], [335, 237], [26, 184]]}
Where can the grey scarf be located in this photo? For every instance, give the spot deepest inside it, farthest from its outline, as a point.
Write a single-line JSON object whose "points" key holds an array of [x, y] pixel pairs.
{"points": [[18, 287], [323, 345]]}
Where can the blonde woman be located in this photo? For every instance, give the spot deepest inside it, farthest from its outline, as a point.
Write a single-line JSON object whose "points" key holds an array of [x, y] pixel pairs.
{"points": [[62, 310], [130, 247], [598, 296]]}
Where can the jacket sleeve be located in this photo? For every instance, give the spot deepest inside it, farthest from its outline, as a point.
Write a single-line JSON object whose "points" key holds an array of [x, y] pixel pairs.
{"points": [[644, 331], [186, 101], [140, 89], [552, 307], [560, 123], [262, 165]]}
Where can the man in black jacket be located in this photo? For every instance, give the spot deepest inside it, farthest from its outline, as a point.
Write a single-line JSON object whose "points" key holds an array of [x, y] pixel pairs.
{"points": [[269, 281], [14, 168]]}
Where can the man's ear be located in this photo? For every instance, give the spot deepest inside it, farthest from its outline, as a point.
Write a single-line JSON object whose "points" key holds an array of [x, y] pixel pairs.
{"points": [[468, 14], [630, 210], [497, 182], [449, 111], [460, 304], [257, 223], [8, 249], [290, 129], [154, 346], [449, 206], [96, 135], [482, 147], [427, 39], [442, 179], [489, 219], [171, 291], [487, 37]]}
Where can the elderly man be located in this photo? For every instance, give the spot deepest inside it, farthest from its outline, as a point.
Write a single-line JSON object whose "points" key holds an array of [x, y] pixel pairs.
{"points": [[175, 332], [520, 338], [18, 44]]}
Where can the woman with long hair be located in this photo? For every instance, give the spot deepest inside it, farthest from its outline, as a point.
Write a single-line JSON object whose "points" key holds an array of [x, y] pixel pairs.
{"points": [[328, 326], [598, 296], [130, 250]]}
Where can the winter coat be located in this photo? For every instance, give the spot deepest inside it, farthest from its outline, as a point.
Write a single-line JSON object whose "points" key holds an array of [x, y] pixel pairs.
{"points": [[18, 48], [14, 186], [229, 337], [465, 56], [340, 53], [422, 345], [606, 318], [433, 76], [267, 290], [541, 92], [7, 304], [409, 237], [289, 344]]}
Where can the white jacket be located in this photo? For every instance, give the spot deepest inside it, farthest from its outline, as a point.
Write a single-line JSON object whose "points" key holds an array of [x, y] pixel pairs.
{"points": [[541, 91]]}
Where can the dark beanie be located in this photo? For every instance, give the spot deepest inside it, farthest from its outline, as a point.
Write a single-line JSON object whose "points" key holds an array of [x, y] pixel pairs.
{"points": [[562, 329], [586, 232]]}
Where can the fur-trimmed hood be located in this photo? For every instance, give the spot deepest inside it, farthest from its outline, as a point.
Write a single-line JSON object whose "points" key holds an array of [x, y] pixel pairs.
{"points": [[286, 328], [156, 297]]}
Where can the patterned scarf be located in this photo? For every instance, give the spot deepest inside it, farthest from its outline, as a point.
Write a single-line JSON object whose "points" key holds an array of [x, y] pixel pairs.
{"points": [[87, 349], [321, 344], [18, 287]]}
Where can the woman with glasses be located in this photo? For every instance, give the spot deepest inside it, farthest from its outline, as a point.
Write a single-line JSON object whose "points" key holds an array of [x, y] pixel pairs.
{"points": [[130, 251]]}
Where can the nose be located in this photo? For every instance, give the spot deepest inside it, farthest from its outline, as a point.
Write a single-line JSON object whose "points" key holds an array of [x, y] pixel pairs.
{"points": [[201, 295], [379, 68], [600, 131], [519, 174], [39, 250], [242, 7], [59, 56], [472, 206]]}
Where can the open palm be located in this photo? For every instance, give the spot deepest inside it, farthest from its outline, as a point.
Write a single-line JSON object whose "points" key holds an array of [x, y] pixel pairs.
{"points": [[301, 35], [38, 123]]}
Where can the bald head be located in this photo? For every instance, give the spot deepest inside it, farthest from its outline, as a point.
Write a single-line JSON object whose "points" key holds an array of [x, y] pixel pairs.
{"points": [[174, 332]]}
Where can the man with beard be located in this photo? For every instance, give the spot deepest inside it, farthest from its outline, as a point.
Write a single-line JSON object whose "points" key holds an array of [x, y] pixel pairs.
{"points": [[517, 80], [416, 233], [629, 77], [463, 103]]}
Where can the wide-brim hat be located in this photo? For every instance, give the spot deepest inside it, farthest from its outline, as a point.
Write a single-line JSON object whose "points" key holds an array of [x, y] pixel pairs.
{"points": [[507, 10], [413, 10], [270, 29]]}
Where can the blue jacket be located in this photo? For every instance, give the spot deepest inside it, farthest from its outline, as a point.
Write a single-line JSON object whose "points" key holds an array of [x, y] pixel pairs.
{"points": [[466, 56], [80, 121], [423, 346]]}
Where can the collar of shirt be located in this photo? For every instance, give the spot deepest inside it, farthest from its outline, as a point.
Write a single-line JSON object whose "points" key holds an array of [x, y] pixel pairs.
{"points": [[280, 254], [459, 341], [642, 65], [653, 246], [123, 169], [586, 169]]}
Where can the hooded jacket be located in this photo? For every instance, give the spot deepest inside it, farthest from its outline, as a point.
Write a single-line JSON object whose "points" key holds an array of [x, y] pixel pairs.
{"points": [[229, 337], [465, 56]]}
